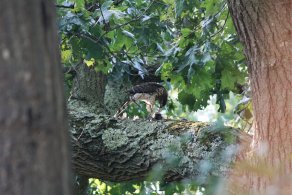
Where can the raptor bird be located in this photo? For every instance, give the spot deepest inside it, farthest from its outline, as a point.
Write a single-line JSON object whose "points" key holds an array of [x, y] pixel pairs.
{"points": [[147, 92]]}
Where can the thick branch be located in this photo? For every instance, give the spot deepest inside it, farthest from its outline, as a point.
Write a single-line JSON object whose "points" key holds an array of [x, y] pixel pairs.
{"points": [[123, 150]]}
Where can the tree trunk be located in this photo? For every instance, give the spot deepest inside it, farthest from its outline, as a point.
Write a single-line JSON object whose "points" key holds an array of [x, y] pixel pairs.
{"points": [[34, 157], [265, 29]]}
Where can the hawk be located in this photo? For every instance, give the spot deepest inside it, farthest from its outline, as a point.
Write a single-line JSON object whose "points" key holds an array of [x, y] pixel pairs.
{"points": [[148, 93]]}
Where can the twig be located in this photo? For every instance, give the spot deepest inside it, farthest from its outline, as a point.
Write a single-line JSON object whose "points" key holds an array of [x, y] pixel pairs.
{"points": [[93, 7], [72, 69], [215, 15], [104, 46], [221, 27], [80, 134], [100, 7]]}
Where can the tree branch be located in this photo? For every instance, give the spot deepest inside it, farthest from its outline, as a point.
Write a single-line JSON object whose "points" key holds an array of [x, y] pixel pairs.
{"points": [[123, 150], [219, 30]]}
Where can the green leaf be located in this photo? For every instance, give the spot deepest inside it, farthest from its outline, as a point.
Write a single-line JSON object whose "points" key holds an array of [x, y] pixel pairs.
{"points": [[141, 70], [128, 34], [186, 32], [77, 48], [106, 13], [230, 77], [187, 99], [159, 47], [104, 66], [206, 57], [66, 55], [166, 70], [93, 49], [212, 6], [179, 6], [79, 4], [106, 5]]}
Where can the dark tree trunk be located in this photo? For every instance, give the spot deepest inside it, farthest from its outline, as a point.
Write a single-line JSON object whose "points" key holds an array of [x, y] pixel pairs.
{"points": [[265, 29], [34, 157]]}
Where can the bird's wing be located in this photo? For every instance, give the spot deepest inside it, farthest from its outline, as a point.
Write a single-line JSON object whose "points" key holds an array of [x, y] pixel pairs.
{"points": [[149, 87]]}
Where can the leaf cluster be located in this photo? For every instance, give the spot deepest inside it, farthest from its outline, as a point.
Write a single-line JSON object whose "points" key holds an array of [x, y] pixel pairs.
{"points": [[191, 43]]}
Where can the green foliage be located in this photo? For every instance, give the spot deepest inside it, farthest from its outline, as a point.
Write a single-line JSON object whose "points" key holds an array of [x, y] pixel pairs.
{"points": [[99, 187], [191, 43], [153, 188]]}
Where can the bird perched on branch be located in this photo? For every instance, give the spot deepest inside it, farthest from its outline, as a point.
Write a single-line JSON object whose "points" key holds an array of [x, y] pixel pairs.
{"points": [[148, 93]]}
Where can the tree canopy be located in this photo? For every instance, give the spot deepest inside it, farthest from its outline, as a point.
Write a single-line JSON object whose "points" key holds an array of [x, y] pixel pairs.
{"points": [[191, 44]]}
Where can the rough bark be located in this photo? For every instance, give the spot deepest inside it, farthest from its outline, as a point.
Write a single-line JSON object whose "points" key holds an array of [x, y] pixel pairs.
{"points": [[89, 86], [34, 157], [265, 29], [123, 150], [116, 94]]}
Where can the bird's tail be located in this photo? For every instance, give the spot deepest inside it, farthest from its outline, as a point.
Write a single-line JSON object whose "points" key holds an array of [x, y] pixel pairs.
{"points": [[122, 108]]}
